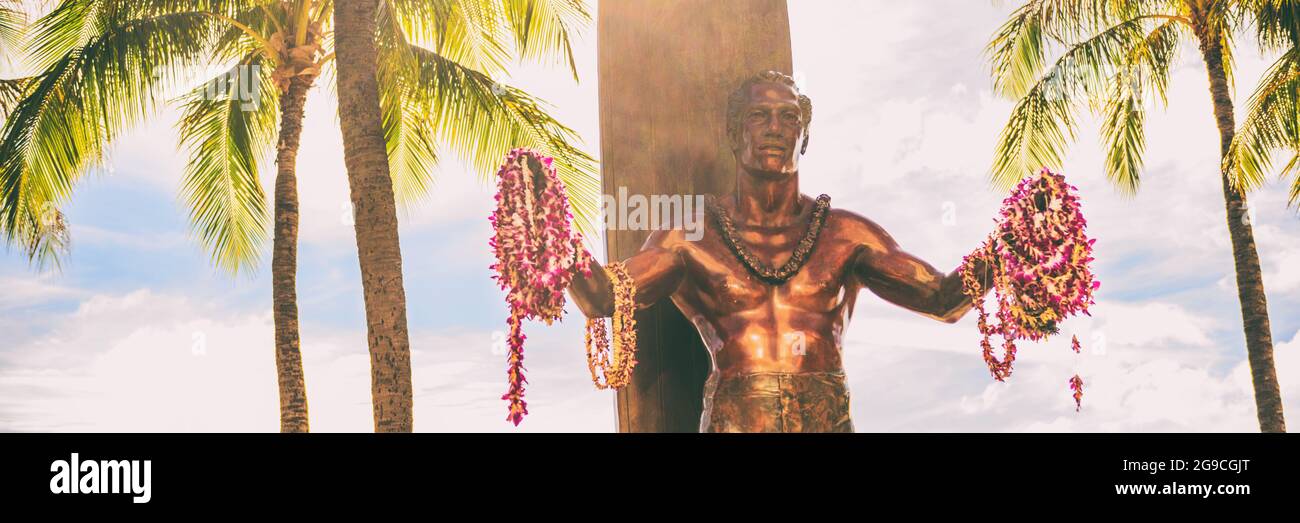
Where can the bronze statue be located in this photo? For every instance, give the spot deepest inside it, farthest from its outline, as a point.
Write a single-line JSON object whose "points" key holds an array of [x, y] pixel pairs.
{"points": [[774, 278]]}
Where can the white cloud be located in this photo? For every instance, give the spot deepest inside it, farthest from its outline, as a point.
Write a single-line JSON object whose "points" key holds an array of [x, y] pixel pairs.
{"points": [[24, 290], [143, 362], [147, 362], [1285, 275], [1157, 373], [1152, 322], [90, 233]]}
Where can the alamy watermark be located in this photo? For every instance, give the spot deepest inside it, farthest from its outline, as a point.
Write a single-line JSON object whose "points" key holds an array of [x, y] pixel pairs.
{"points": [[77, 476], [241, 83], [656, 212]]}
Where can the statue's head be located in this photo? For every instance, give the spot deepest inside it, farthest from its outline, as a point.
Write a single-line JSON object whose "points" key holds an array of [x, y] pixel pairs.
{"points": [[767, 120]]}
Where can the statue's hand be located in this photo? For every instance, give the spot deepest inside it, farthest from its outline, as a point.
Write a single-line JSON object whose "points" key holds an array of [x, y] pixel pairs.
{"points": [[534, 169]]}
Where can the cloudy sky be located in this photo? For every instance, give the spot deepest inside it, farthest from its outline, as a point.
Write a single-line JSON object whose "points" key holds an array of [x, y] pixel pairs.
{"points": [[140, 333]]}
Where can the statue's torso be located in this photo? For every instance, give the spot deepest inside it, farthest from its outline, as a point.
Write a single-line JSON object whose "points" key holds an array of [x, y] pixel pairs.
{"points": [[751, 326]]}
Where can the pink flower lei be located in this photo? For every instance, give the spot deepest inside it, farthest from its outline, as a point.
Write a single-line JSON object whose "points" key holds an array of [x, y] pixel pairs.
{"points": [[537, 250], [1039, 256]]}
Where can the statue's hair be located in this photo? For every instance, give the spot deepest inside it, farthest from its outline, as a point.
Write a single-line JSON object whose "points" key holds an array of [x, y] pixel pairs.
{"points": [[740, 98]]}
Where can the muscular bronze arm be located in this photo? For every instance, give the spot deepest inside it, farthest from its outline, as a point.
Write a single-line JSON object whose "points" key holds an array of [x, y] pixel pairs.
{"points": [[656, 270], [909, 282]]}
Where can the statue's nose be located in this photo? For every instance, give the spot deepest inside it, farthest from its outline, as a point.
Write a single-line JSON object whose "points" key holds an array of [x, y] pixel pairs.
{"points": [[772, 129], [774, 125]]}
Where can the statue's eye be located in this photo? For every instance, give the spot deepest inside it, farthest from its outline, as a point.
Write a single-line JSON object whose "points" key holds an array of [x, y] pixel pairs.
{"points": [[790, 116]]}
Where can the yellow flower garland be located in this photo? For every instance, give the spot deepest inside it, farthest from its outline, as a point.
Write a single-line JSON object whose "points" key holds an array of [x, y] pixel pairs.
{"points": [[614, 370]]}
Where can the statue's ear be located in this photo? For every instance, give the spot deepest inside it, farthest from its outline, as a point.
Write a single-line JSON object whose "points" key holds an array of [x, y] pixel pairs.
{"points": [[804, 148]]}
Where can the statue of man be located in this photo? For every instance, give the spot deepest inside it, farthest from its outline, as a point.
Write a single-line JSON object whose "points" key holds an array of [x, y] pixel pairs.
{"points": [[774, 278]]}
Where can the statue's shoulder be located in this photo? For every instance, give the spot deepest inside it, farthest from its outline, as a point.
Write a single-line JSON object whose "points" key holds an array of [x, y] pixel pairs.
{"points": [[853, 224], [674, 238]]}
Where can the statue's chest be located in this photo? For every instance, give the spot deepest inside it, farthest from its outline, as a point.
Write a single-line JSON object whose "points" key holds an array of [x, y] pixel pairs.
{"points": [[722, 278]]}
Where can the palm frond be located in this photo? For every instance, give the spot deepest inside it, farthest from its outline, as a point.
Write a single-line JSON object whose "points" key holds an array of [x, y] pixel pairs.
{"points": [[11, 91], [1292, 170], [74, 108], [228, 126], [263, 18], [1018, 50], [1277, 23], [1272, 124], [1123, 125], [1043, 120], [13, 24], [1123, 135], [1149, 63], [70, 25], [43, 236], [467, 32], [409, 136], [480, 120], [545, 28], [1037, 133]]}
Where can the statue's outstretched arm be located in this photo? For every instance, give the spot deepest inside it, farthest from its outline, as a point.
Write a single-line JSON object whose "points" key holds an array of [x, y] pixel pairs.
{"points": [[907, 281], [657, 270]]}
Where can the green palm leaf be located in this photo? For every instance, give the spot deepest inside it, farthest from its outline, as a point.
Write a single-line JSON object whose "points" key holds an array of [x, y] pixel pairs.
{"points": [[430, 99], [226, 136], [1043, 121], [83, 100], [482, 119], [1272, 121], [1271, 125], [1018, 50], [13, 22], [543, 28], [466, 32], [1124, 135], [1277, 23], [11, 91]]}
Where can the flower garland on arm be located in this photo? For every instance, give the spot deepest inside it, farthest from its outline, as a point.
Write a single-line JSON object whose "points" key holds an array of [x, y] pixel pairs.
{"points": [[537, 254], [1039, 264], [613, 369]]}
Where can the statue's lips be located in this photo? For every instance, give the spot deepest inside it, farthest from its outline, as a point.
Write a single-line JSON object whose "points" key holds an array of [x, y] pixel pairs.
{"points": [[772, 149]]}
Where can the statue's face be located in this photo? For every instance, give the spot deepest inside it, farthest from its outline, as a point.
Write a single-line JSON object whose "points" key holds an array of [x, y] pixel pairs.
{"points": [[771, 126]]}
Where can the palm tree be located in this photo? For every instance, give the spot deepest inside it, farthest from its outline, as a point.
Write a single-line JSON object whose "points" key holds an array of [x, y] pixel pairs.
{"points": [[1113, 53], [105, 64]]}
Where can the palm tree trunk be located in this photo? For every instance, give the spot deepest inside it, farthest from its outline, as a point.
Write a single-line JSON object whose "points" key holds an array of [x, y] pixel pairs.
{"points": [[378, 249], [1250, 281], [284, 261]]}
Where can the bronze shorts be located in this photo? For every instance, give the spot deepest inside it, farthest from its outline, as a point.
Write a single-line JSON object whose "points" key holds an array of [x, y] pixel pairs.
{"points": [[780, 402]]}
